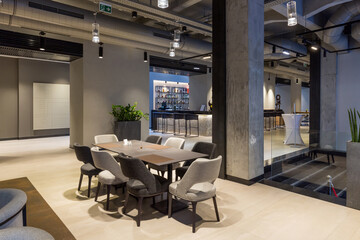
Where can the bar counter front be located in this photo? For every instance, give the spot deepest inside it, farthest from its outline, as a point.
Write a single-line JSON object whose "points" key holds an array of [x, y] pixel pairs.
{"points": [[166, 120]]}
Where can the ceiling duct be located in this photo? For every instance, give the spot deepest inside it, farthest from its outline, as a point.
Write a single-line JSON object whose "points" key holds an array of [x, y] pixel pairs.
{"points": [[335, 36], [287, 69], [355, 31]]}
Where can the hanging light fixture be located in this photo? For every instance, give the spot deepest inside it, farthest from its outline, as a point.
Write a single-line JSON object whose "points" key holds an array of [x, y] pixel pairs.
{"points": [[95, 31], [42, 41], [172, 50], [101, 50], [163, 3], [145, 57], [291, 13]]}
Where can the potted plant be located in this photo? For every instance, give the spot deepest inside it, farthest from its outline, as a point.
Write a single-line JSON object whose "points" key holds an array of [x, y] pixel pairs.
{"points": [[127, 121], [353, 162]]}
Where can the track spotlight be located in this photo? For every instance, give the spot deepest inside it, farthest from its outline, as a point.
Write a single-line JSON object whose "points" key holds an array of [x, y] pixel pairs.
{"points": [[134, 14], [101, 50], [145, 57], [184, 29], [42, 41]]}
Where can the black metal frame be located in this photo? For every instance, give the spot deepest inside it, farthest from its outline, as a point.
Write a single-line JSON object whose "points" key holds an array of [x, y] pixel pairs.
{"points": [[23, 209]]}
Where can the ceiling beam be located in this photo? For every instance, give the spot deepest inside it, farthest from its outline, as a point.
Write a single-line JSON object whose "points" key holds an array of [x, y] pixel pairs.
{"points": [[313, 7], [185, 5]]}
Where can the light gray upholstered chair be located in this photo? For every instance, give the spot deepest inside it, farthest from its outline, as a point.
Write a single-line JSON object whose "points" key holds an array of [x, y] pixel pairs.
{"points": [[12, 208], [83, 154], [142, 183], [200, 147], [197, 184], [174, 142], [24, 233], [111, 175], [154, 139], [105, 138]]}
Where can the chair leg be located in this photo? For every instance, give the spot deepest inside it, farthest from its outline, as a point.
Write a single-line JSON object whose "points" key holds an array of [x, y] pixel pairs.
{"points": [[97, 191], [194, 216], [108, 187], [89, 185], [216, 209], [139, 207], [162, 173], [81, 177], [169, 205], [24, 216], [126, 202]]}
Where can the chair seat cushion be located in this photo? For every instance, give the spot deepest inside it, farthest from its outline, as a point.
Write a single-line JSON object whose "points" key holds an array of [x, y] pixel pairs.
{"points": [[89, 169], [164, 167], [198, 192], [106, 177], [137, 188], [24, 233], [181, 171]]}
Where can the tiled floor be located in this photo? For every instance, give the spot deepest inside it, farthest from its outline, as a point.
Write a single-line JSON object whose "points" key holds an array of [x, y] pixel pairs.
{"points": [[254, 212]]}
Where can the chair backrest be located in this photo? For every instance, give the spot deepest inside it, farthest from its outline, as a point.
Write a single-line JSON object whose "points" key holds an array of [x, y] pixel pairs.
{"points": [[83, 153], [203, 147], [11, 202], [134, 168], [154, 139], [175, 142], [201, 170], [105, 138], [104, 161]]}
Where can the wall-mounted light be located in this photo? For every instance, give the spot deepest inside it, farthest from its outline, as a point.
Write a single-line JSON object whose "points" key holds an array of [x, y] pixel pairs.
{"points": [[42, 41], [285, 52], [134, 14], [291, 13], [101, 50], [163, 3], [145, 57]]}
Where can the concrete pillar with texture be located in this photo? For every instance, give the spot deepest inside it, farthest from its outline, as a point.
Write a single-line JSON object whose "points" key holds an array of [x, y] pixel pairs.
{"points": [[328, 101], [244, 88]]}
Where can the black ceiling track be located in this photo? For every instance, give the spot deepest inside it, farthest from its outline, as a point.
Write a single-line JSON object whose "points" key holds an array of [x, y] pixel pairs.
{"points": [[31, 42], [178, 65]]}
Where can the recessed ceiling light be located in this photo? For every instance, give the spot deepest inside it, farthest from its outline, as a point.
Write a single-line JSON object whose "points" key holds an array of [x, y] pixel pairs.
{"points": [[285, 52], [206, 57], [196, 68], [315, 48]]}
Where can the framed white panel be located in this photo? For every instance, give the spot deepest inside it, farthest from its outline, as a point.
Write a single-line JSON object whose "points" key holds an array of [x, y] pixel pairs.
{"points": [[51, 105]]}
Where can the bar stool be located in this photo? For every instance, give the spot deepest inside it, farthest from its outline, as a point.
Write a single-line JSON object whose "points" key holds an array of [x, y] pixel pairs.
{"points": [[165, 117], [188, 118], [159, 122], [177, 118]]}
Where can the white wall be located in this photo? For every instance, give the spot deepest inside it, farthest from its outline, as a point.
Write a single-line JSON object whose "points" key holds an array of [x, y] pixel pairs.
{"points": [[285, 92], [347, 92], [121, 77], [269, 91]]}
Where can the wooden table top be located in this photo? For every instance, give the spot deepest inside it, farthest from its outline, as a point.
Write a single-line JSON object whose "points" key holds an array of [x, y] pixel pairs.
{"points": [[152, 153]]}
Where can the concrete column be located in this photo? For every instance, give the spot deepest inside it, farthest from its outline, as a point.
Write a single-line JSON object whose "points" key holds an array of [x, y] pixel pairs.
{"points": [[328, 101], [244, 88]]}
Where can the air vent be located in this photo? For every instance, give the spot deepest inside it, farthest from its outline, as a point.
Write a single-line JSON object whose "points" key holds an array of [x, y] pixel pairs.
{"points": [[163, 36], [55, 10]]}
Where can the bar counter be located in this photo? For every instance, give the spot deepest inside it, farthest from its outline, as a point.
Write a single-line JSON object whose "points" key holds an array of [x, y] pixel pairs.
{"points": [[205, 121]]}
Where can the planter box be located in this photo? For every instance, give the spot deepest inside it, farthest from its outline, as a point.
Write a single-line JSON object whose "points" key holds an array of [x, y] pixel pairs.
{"points": [[130, 130], [353, 175]]}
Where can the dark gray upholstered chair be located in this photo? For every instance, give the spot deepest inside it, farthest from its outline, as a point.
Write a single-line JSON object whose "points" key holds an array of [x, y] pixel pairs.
{"points": [[12, 208], [111, 175], [83, 154], [141, 184], [197, 185], [24, 233], [200, 147], [174, 142], [154, 139]]}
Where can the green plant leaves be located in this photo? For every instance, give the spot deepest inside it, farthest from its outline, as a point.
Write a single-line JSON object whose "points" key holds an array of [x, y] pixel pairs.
{"points": [[354, 128], [127, 113]]}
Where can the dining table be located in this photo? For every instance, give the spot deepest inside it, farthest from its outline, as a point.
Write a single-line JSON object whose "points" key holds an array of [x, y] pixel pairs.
{"points": [[159, 155]]}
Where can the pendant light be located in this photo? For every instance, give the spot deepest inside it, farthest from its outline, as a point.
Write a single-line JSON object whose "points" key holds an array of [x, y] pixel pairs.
{"points": [[42, 41], [95, 31], [177, 38], [291, 13], [163, 3], [172, 50], [101, 50], [145, 57]]}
